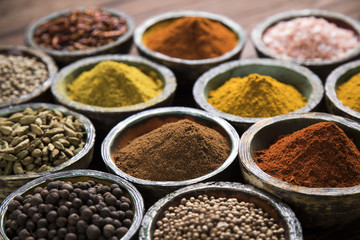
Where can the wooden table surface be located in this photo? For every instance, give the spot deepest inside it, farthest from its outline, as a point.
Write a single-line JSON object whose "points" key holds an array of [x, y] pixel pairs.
{"points": [[15, 16]]}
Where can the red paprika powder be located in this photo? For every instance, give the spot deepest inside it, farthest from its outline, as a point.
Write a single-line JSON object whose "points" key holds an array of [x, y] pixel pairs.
{"points": [[319, 156]]}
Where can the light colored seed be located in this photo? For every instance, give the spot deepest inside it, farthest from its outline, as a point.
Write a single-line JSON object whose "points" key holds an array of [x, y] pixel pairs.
{"points": [[28, 160], [3, 163], [69, 132], [74, 140], [18, 169], [64, 142], [6, 130], [38, 121], [57, 137], [22, 145], [36, 142], [6, 123], [58, 113], [68, 153], [7, 150], [8, 168], [57, 162], [54, 131], [16, 117], [17, 140], [22, 154], [54, 153], [76, 151], [45, 151], [46, 140], [20, 131], [42, 168], [36, 129], [69, 124], [36, 153], [28, 119], [9, 157], [38, 161]]}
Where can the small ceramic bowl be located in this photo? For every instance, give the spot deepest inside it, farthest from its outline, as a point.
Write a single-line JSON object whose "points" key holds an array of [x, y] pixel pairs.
{"points": [[64, 57], [279, 211], [40, 92], [315, 207], [306, 82], [105, 117], [9, 183], [146, 121], [188, 70], [81, 175], [321, 68], [336, 78]]}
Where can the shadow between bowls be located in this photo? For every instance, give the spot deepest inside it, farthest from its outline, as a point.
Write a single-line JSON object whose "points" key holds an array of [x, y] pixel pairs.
{"points": [[305, 81], [247, 193], [82, 175], [187, 71], [146, 121], [340, 75], [41, 93], [321, 68], [315, 207], [104, 118], [9, 183], [64, 57]]}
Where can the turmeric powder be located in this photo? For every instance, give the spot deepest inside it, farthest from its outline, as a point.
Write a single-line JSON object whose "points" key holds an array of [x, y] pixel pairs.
{"points": [[349, 92], [256, 96], [114, 84]]}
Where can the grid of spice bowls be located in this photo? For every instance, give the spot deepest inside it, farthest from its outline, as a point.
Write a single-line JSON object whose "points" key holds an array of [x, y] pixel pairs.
{"points": [[282, 215], [321, 67], [306, 82], [40, 93], [77, 207], [81, 159], [122, 44], [337, 77], [107, 117], [187, 70], [146, 121], [315, 207]]}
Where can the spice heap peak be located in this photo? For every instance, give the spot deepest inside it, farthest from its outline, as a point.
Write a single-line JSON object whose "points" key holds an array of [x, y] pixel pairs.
{"points": [[191, 38], [256, 96], [114, 84], [318, 156]]}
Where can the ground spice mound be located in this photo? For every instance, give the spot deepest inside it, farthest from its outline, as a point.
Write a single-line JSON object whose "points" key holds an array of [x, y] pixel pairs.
{"points": [[319, 156], [349, 92], [176, 151], [310, 38], [192, 38]]}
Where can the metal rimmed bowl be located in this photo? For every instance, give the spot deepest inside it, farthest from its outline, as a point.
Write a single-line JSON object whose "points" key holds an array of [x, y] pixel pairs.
{"points": [[279, 211], [315, 207], [9, 183], [340, 75], [63, 57], [105, 117], [146, 121], [82, 175], [41, 92], [306, 82], [187, 71], [323, 67]]}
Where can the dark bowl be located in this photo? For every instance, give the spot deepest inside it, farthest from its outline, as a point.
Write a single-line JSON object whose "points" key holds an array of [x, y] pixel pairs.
{"points": [[187, 71], [64, 57], [321, 68]]}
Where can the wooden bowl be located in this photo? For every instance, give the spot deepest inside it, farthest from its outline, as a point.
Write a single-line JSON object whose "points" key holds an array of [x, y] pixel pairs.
{"points": [[64, 57], [105, 117], [306, 82], [340, 75], [278, 210], [9, 183], [40, 92], [315, 207], [146, 121], [321, 68], [81, 175], [188, 70]]}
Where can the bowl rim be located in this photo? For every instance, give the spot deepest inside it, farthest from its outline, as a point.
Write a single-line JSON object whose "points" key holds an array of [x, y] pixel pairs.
{"points": [[137, 199], [285, 212], [29, 32], [204, 79], [260, 28], [247, 162], [89, 142], [41, 57], [164, 111], [229, 23], [168, 76], [330, 87]]}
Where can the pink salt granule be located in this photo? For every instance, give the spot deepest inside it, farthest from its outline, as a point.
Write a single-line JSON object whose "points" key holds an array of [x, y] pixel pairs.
{"points": [[309, 38]]}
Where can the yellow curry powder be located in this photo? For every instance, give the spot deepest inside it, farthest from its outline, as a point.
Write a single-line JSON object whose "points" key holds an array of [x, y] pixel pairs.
{"points": [[114, 84], [256, 96], [349, 92]]}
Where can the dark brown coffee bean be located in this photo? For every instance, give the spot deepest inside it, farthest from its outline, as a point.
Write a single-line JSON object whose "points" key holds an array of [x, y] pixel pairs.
{"points": [[61, 233], [127, 223], [36, 217], [86, 214], [77, 202], [52, 198], [89, 202], [81, 226], [21, 219], [71, 229], [10, 233], [38, 190], [64, 193], [48, 208], [42, 223], [51, 216], [110, 200], [117, 192], [41, 233], [77, 190], [19, 198], [26, 207], [61, 222], [73, 219], [13, 205], [91, 183], [72, 196], [108, 220], [125, 199], [67, 187], [105, 212], [121, 215], [24, 233], [36, 200], [31, 211], [30, 238], [104, 189], [44, 193], [51, 234], [84, 195], [41, 208], [108, 230], [71, 236], [63, 211], [117, 223], [93, 232], [30, 226], [120, 232], [124, 206], [129, 214]]}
